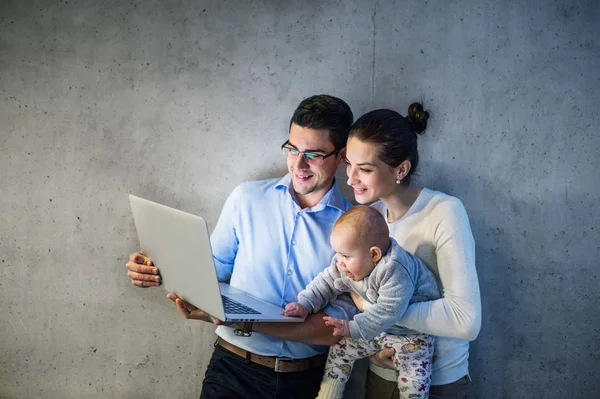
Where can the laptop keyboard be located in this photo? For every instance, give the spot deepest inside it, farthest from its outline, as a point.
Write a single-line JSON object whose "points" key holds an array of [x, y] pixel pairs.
{"points": [[234, 307]]}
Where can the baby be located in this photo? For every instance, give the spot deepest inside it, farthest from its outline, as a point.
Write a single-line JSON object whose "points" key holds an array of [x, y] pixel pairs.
{"points": [[373, 265]]}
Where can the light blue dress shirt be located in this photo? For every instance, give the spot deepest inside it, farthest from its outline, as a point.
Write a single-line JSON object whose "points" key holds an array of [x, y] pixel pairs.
{"points": [[266, 245]]}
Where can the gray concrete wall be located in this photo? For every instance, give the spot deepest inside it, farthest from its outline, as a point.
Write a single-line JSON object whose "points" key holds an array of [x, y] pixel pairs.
{"points": [[514, 88], [179, 101]]}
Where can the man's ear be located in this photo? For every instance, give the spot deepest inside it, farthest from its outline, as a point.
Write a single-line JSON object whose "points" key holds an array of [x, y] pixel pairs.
{"points": [[341, 156], [376, 254]]}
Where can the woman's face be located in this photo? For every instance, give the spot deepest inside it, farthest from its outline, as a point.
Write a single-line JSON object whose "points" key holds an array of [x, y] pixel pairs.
{"points": [[369, 177]]}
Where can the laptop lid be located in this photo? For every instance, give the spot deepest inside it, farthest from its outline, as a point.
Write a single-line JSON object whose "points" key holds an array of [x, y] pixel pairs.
{"points": [[179, 245]]}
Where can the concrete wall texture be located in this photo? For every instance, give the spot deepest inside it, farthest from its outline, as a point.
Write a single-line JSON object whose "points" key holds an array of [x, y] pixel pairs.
{"points": [[179, 101]]}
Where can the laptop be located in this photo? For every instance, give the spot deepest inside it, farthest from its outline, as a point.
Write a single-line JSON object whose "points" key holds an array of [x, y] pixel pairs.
{"points": [[179, 245]]}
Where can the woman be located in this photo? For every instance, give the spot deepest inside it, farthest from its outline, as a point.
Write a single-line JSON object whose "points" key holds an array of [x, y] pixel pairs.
{"points": [[382, 157]]}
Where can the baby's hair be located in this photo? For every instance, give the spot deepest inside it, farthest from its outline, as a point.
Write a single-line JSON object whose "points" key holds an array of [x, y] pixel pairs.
{"points": [[368, 225]]}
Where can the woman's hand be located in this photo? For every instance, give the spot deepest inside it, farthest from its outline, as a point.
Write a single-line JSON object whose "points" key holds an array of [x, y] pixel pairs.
{"points": [[383, 358]]}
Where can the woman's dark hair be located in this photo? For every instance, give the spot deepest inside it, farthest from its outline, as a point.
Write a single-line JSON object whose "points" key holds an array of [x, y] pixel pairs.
{"points": [[324, 112], [395, 135]]}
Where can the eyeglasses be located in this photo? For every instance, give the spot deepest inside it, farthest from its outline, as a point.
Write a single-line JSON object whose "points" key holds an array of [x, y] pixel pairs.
{"points": [[310, 157]]}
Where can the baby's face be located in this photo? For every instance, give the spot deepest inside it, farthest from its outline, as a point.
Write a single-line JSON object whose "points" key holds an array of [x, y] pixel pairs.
{"points": [[354, 257]]}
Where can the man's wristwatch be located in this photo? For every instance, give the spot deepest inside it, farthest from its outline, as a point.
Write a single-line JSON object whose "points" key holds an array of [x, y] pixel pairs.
{"points": [[245, 331]]}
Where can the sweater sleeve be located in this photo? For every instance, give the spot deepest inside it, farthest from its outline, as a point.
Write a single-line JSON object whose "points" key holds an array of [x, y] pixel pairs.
{"points": [[458, 313], [321, 290], [396, 288]]}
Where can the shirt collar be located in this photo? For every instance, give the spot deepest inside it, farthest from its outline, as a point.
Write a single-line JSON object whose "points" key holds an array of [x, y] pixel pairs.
{"points": [[333, 198]]}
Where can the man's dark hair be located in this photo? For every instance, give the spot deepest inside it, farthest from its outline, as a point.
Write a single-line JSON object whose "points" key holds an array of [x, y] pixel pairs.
{"points": [[324, 112]]}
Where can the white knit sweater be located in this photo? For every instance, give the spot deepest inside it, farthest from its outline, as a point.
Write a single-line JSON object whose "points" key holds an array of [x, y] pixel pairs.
{"points": [[436, 229]]}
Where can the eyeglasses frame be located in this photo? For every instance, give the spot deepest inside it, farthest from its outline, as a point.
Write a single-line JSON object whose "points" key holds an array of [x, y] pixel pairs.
{"points": [[287, 145]]}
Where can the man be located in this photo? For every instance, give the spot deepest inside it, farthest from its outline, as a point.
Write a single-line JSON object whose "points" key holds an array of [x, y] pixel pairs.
{"points": [[271, 240]]}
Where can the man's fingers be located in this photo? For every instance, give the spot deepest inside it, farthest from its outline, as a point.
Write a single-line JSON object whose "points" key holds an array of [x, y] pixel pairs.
{"points": [[172, 296], [180, 305], [143, 277], [181, 308], [140, 274], [140, 258], [188, 308], [188, 305], [139, 283], [136, 267], [189, 311]]}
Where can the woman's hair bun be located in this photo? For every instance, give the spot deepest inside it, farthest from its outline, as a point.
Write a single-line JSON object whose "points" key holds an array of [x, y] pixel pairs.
{"points": [[418, 117]]}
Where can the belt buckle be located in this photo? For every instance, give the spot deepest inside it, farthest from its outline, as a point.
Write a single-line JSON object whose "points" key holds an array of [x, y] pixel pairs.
{"points": [[277, 359]]}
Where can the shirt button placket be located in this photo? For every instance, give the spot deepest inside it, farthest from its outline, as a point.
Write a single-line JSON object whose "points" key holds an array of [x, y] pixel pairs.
{"points": [[289, 272]]}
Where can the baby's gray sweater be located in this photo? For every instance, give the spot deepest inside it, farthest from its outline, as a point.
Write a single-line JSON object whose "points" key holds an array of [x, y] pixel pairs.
{"points": [[398, 280]]}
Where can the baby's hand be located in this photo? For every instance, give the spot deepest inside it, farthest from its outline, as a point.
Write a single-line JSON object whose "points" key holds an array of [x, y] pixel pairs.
{"points": [[294, 309], [340, 327]]}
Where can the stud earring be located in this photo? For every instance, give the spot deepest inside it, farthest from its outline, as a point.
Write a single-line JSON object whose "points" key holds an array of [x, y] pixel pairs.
{"points": [[398, 181]]}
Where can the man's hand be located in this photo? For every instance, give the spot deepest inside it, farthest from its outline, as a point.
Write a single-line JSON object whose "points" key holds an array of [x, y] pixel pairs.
{"points": [[141, 271], [340, 327], [294, 309], [189, 311]]}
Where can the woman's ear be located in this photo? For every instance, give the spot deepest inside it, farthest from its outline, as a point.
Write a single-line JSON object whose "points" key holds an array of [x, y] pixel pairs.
{"points": [[376, 254], [403, 169]]}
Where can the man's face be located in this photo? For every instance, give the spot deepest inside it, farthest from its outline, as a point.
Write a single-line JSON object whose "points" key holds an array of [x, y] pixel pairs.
{"points": [[310, 179]]}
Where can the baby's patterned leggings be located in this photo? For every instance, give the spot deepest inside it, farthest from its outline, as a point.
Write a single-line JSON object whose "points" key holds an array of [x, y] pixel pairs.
{"points": [[412, 362]]}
